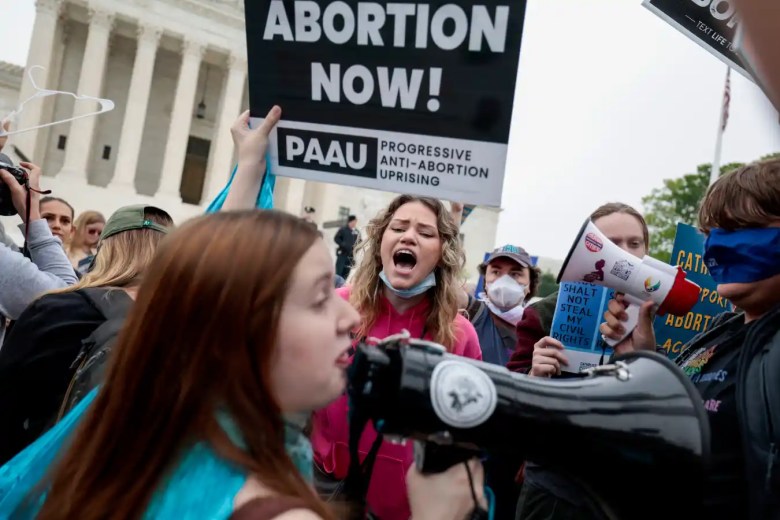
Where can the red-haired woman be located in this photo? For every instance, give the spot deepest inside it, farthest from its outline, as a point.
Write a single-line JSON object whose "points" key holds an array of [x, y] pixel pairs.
{"points": [[191, 421]]}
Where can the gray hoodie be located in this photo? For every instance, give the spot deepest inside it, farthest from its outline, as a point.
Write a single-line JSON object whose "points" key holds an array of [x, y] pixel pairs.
{"points": [[5, 239], [22, 280]]}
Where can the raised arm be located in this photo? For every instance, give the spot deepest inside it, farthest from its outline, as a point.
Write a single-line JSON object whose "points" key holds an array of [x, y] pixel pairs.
{"points": [[22, 280], [456, 210], [252, 145]]}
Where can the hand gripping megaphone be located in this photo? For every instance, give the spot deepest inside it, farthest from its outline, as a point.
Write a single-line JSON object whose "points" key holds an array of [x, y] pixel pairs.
{"points": [[620, 430], [595, 259]]}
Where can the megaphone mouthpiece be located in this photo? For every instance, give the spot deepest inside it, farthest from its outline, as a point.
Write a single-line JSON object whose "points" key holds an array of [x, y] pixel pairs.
{"points": [[682, 297]]}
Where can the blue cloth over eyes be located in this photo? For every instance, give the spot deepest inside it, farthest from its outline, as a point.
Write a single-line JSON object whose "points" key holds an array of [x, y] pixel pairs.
{"points": [[744, 255]]}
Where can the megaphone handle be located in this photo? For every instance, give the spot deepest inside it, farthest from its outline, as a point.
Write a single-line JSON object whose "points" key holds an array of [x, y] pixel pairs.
{"points": [[430, 457], [633, 318]]}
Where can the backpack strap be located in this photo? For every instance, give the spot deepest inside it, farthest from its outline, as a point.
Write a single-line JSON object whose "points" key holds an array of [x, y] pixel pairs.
{"points": [[111, 303], [507, 331], [475, 309]]}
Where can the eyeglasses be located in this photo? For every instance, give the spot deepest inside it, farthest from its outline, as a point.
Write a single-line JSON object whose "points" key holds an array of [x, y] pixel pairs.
{"points": [[94, 232]]}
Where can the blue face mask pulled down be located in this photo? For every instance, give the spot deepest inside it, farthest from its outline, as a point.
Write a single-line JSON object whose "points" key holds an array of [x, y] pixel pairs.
{"points": [[744, 255], [428, 282]]}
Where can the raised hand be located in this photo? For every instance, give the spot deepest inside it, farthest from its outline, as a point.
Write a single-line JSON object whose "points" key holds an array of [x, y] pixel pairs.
{"points": [[19, 192], [641, 338], [252, 143]]}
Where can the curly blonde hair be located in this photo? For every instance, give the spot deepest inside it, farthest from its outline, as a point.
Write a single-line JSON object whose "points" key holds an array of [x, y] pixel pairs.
{"points": [[366, 284]]}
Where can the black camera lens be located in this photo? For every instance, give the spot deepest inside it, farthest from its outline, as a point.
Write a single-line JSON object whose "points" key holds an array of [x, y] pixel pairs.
{"points": [[6, 204]]}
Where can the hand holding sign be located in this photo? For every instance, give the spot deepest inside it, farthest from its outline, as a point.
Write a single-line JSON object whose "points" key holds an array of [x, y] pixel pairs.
{"points": [[642, 338], [252, 147], [252, 144], [548, 358]]}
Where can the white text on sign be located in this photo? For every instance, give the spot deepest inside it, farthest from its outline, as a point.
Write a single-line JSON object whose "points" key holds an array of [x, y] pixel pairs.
{"points": [[449, 27]]}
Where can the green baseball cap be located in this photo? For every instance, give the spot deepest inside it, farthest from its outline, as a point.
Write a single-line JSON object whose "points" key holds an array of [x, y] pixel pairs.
{"points": [[129, 218]]}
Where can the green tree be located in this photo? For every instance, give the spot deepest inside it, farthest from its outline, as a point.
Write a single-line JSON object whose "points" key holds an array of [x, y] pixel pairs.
{"points": [[677, 201], [547, 285]]}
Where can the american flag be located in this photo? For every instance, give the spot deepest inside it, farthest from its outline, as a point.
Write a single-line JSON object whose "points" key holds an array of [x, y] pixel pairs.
{"points": [[726, 101]]}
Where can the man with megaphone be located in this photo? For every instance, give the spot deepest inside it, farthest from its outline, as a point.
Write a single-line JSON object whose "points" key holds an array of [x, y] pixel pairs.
{"points": [[625, 227], [735, 365], [545, 490]]}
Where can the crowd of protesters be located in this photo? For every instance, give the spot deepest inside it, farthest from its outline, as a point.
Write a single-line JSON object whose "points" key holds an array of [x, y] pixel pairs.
{"points": [[150, 371]]}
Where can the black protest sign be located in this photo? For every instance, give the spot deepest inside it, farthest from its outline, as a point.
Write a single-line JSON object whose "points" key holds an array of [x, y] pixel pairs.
{"points": [[401, 96], [710, 23]]}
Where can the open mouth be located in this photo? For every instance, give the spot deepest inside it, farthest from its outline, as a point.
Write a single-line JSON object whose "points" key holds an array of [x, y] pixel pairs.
{"points": [[404, 260], [343, 360]]}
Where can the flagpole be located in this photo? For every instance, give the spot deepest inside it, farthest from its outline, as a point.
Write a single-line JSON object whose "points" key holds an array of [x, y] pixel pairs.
{"points": [[715, 171]]}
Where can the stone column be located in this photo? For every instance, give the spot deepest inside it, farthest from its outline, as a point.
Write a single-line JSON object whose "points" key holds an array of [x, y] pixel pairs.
{"points": [[41, 52], [220, 161], [79, 148], [181, 119], [291, 200], [135, 112], [45, 142]]}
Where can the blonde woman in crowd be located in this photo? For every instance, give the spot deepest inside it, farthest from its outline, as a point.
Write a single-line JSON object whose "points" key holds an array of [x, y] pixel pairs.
{"points": [[37, 361], [87, 229]]}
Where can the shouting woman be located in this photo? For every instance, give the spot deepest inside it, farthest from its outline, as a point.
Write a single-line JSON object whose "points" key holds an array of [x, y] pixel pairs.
{"points": [[406, 280]]}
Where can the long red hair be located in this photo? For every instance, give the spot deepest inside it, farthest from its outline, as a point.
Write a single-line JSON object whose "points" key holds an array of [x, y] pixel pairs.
{"points": [[201, 336]]}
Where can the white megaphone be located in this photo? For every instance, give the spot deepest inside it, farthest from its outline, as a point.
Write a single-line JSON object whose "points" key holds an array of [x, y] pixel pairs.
{"points": [[595, 259]]}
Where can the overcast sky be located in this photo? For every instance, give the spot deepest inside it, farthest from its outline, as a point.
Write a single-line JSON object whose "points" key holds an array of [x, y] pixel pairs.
{"points": [[610, 101]]}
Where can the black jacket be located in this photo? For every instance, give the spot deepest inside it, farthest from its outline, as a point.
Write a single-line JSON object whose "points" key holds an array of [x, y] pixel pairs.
{"points": [[36, 365], [346, 238], [758, 399], [758, 407]]}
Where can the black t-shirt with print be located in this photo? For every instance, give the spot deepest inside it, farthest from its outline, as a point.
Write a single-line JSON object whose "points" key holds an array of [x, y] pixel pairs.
{"points": [[713, 370]]}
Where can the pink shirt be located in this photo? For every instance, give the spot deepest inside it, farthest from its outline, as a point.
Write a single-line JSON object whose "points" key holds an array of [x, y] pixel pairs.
{"points": [[330, 436]]}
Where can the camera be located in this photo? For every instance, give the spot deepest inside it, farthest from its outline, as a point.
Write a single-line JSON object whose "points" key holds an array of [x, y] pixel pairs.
{"points": [[6, 204]]}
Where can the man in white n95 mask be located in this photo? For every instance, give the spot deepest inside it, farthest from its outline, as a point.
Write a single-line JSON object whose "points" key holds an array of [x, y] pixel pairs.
{"points": [[511, 281]]}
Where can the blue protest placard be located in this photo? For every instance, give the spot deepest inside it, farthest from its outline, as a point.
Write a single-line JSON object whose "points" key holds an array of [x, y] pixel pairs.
{"points": [[672, 332], [578, 313]]}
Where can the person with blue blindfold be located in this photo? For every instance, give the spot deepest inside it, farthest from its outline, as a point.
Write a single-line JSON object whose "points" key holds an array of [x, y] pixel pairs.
{"points": [[735, 364], [743, 256]]}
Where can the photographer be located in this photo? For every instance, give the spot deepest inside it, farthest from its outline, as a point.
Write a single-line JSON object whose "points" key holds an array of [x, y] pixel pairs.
{"points": [[23, 280], [6, 240]]}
